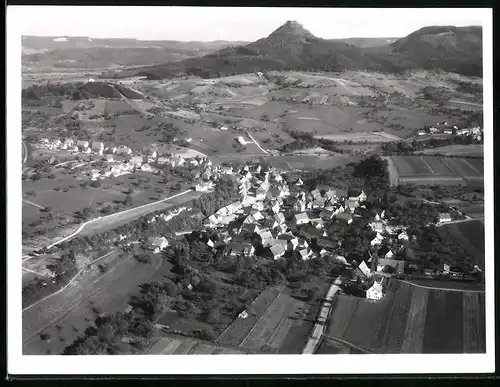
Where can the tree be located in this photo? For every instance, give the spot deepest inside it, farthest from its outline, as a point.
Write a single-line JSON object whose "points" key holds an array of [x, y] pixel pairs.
{"points": [[127, 200]]}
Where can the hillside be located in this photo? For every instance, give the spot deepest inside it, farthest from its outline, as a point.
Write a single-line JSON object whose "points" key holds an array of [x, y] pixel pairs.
{"points": [[85, 52], [292, 47]]}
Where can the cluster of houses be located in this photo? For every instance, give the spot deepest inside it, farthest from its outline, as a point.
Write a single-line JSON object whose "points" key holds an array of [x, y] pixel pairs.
{"points": [[445, 128]]}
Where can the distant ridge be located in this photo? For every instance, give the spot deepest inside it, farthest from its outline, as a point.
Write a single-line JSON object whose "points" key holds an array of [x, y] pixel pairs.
{"points": [[292, 47]]}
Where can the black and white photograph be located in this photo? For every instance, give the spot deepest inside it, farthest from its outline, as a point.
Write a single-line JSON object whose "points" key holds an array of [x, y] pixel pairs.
{"points": [[250, 181]]}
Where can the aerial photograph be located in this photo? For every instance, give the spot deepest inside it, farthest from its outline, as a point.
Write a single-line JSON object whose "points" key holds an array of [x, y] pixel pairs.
{"points": [[276, 187]]}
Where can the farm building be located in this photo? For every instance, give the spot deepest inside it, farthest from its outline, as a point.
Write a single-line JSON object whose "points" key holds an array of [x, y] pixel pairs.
{"points": [[396, 265], [82, 144], [241, 140], [98, 147], [158, 243], [375, 292], [444, 217], [301, 218], [123, 150], [136, 161], [344, 217], [241, 249]]}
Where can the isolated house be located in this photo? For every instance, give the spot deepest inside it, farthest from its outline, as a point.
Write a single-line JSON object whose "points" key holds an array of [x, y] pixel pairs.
{"points": [[444, 217], [375, 292], [98, 147], [158, 244], [301, 218]]}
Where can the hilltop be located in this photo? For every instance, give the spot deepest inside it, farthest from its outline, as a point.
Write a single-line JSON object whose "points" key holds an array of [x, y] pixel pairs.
{"points": [[292, 47]]}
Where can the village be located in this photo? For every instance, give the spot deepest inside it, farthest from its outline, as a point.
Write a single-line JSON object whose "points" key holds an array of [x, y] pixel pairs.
{"points": [[449, 129]]}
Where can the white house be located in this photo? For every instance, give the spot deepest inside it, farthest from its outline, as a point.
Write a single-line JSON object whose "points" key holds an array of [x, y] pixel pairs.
{"points": [[403, 236], [227, 170], [377, 240], [301, 218], [444, 217], [241, 140], [158, 244], [241, 249], [277, 250], [136, 161], [223, 128], [299, 206], [147, 168], [375, 292], [305, 254], [204, 186], [86, 150], [279, 217], [364, 269], [123, 150]]}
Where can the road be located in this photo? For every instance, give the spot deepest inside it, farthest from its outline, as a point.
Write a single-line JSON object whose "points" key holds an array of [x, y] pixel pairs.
{"points": [[256, 143], [446, 289], [70, 281], [317, 330], [105, 219]]}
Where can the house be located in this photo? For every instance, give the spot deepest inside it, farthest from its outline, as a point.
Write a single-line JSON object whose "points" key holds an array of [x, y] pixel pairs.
{"points": [[250, 228], [257, 215], [377, 240], [158, 244], [271, 223], [448, 131], [277, 250], [241, 140], [109, 158], [210, 221], [177, 161], [403, 236], [86, 150], [98, 147], [377, 226], [203, 186], [326, 214], [462, 132], [385, 252], [363, 268], [82, 144], [223, 128], [123, 150], [241, 249], [432, 130], [421, 133], [444, 217], [315, 193], [68, 144], [331, 194], [375, 292], [275, 207], [301, 218], [147, 168], [299, 182], [318, 202], [317, 223], [344, 217], [279, 217], [227, 170], [136, 161], [305, 254], [265, 238], [361, 197], [299, 206]]}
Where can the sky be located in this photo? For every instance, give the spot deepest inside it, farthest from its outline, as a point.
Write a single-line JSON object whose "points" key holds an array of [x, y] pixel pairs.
{"points": [[232, 24]]}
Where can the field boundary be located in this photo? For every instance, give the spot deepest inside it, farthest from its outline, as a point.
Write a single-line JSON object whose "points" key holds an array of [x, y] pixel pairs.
{"points": [[443, 289]]}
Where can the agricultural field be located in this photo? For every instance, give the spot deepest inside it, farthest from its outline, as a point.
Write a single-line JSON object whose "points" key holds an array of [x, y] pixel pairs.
{"points": [[470, 235], [67, 314], [457, 150], [178, 345], [438, 170], [373, 137], [411, 319], [270, 332]]}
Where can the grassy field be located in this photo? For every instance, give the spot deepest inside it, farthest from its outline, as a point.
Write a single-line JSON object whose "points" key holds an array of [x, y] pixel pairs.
{"points": [[66, 315], [457, 150], [410, 319], [329, 346], [470, 235]]}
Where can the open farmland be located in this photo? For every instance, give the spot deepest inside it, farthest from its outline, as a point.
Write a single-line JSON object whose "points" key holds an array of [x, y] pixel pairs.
{"points": [[375, 137], [271, 330], [438, 170], [67, 314], [470, 235], [178, 345], [409, 319], [240, 328]]}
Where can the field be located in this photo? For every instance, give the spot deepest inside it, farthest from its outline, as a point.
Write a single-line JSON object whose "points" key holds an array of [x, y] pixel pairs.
{"points": [[67, 314], [411, 319], [240, 328], [470, 235], [457, 150], [270, 332], [358, 137], [438, 170], [329, 346], [178, 345]]}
